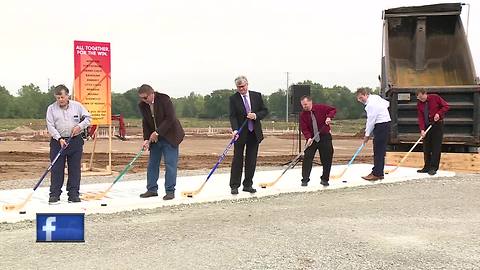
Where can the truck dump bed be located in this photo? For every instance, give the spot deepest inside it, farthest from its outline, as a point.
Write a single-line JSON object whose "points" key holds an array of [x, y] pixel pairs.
{"points": [[426, 47]]}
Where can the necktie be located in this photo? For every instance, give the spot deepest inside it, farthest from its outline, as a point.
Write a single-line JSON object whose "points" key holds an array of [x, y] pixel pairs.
{"points": [[425, 114], [152, 110], [248, 109], [315, 127]]}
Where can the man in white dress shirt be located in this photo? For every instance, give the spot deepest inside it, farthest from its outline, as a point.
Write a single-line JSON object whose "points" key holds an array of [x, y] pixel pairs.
{"points": [[378, 127]]}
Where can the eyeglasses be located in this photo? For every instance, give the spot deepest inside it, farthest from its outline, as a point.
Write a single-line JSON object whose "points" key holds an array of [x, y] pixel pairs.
{"points": [[143, 97]]}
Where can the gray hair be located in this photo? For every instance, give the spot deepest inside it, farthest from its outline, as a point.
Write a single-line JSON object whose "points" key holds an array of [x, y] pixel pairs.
{"points": [[59, 89], [241, 80]]}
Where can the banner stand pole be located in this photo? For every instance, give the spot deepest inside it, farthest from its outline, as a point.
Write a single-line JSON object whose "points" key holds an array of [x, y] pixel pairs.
{"points": [[109, 167]]}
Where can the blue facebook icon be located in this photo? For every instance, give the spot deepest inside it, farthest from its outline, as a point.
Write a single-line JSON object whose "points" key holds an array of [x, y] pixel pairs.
{"points": [[60, 227]]}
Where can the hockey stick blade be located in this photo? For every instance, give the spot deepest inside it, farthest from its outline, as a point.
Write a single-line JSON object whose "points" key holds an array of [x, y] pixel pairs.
{"points": [[190, 194], [336, 177], [270, 184], [392, 170], [95, 196], [16, 207]]}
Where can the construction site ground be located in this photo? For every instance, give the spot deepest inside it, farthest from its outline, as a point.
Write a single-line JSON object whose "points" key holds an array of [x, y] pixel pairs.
{"points": [[26, 157], [427, 223]]}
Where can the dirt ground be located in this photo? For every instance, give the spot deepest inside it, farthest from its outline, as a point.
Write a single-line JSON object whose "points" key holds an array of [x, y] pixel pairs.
{"points": [[29, 158]]}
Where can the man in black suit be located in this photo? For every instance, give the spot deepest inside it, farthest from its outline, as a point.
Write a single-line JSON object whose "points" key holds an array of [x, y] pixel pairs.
{"points": [[248, 105]]}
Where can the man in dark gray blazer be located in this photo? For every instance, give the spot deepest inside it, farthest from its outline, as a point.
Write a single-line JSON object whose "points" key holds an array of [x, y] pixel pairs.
{"points": [[245, 104]]}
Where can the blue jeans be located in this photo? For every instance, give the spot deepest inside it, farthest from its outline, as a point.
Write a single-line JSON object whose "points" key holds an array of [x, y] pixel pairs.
{"points": [[170, 153]]}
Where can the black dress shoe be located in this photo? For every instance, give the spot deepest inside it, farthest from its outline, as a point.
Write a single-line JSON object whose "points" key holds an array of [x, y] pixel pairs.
{"points": [[432, 172], [304, 184], [324, 183], [249, 189], [74, 199], [169, 196], [234, 191], [148, 194], [54, 200], [424, 170]]}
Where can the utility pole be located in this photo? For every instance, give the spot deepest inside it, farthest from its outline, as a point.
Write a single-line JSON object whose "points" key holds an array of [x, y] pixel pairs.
{"points": [[286, 94]]}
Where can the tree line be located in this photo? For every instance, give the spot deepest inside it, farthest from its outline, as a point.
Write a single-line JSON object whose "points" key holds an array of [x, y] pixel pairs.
{"points": [[31, 102]]}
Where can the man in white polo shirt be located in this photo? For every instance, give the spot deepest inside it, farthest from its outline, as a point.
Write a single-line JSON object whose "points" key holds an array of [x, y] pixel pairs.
{"points": [[378, 127]]}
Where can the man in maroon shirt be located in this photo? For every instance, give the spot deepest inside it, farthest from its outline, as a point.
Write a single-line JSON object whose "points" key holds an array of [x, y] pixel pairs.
{"points": [[431, 110], [315, 119]]}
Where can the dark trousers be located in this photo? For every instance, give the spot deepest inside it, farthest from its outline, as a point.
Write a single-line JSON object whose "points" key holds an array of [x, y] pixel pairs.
{"points": [[73, 156], [432, 146], [380, 139], [251, 145], [325, 148]]}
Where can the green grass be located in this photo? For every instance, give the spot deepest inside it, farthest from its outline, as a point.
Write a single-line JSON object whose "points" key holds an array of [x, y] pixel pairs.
{"points": [[9, 124], [338, 126], [348, 126], [219, 123]]}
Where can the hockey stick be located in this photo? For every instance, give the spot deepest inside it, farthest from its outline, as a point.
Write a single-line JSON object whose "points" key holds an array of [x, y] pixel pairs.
{"points": [[98, 196], [290, 165], [19, 206], [190, 194], [408, 153], [335, 177]]}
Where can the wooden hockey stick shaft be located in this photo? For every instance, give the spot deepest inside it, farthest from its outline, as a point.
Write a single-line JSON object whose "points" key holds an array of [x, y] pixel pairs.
{"points": [[349, 163], [290, 165], [220, 159], [100, 195], [408, 153], [14, 207]]}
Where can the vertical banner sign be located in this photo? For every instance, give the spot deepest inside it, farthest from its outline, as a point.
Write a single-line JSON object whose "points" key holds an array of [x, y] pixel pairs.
{"points": [[92, 79]]}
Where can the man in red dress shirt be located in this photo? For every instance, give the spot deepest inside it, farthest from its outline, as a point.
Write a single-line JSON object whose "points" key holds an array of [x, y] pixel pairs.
{"points": [[315, 119], [431, 110]]}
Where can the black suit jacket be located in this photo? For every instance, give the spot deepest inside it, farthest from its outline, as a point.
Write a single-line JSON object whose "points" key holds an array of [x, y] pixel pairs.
{"points": [[238, 114], [168, 126]]}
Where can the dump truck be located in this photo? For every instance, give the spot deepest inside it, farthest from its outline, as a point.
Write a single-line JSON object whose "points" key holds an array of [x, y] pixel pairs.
{"points": [[427, 47]]}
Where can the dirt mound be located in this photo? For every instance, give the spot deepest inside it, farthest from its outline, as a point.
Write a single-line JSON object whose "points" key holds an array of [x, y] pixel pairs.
{"points": [[23, 130]]}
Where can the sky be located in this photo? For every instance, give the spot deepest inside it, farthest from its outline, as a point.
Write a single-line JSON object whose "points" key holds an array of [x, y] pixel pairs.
{"points": [[182, 46]]}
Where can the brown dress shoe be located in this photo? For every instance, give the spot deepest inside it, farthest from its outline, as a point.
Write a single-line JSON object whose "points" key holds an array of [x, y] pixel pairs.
{"points": [[372, 177], [148, 194], [169, 196]]}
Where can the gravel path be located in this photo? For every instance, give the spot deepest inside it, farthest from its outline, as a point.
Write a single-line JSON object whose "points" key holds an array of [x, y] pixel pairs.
{"points": [[421, 224]]}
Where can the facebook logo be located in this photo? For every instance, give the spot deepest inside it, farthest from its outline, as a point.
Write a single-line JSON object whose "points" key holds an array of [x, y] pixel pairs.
{"points": [[48, 228], [60, 227]]}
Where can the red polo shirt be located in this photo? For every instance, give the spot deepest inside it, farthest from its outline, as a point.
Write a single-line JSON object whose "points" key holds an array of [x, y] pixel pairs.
{"points": [[436, 104], [321, 112]]}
